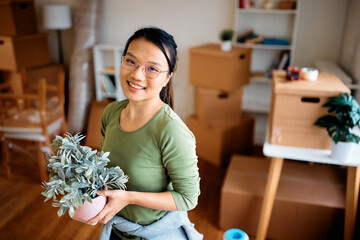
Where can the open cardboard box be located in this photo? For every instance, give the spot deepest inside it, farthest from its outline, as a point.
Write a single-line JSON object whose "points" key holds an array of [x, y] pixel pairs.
{"points": [[309, 202]]}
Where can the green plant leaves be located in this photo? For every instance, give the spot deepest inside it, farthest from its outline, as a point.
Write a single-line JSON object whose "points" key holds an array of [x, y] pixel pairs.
{"points": [[226, 34], [345, 115], [77, 173]]}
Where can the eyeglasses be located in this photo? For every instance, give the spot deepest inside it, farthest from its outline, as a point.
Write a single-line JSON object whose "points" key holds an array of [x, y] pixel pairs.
{"points": [[149, 71]]}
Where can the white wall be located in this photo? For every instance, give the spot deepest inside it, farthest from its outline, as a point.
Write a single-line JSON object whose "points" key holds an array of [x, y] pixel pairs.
{"points": [[190, 22], [320, 31]]}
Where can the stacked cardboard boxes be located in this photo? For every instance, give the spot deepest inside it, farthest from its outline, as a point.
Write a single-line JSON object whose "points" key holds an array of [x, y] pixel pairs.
{"points": [[21, 45], [218, 124], [309, 202]]}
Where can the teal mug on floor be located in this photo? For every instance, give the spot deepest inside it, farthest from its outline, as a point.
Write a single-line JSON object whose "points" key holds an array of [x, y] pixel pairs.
{"points": [[235, 234]]}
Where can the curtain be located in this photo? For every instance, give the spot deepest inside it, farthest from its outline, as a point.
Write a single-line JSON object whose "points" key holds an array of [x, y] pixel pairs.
{"points": [[350, 54], [81, 77]]}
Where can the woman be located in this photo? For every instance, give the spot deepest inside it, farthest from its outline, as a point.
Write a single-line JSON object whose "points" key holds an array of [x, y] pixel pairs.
{"points": [[150, 143]]}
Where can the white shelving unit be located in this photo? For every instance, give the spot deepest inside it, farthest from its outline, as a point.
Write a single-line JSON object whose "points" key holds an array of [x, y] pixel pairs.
{"points": [[274, 23], [107, 60]]}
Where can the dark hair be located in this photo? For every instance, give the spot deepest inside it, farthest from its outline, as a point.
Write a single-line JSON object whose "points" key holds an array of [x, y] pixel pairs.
{"points": [[164, 41]]}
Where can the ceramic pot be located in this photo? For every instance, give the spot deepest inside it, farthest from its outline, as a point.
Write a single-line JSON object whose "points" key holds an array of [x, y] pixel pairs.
{"points": [[89, 210], [342, 151], [226, 46]]}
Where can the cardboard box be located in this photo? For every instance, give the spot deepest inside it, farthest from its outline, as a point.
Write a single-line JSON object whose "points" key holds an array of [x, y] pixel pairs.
{"points": [[17, 18], [218, 108], [211, 67], [217, 144], [295, 107], [93, 133], [27, 51], [309, 202]]}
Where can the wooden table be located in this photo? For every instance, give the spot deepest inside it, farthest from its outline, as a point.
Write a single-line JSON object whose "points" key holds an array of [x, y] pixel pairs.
{"points": [[279, 153]]}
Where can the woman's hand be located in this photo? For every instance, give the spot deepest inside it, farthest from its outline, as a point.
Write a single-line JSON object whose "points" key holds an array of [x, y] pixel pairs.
{"points": [[117, 200]]}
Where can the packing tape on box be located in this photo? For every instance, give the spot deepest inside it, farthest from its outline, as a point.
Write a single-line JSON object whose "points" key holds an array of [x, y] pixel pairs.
{"points": [[309, 74], [235, 234]]}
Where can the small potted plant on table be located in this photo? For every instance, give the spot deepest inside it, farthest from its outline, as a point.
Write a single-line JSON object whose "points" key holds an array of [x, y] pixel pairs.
{"points": [[226, 36], [77, 173], [342, 125]]}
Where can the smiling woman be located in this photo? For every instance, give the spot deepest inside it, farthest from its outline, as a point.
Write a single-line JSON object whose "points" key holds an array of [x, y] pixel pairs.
{"points": [[149, 141]]}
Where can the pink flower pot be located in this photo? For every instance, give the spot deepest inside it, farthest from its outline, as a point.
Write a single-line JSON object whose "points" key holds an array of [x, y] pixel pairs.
{"points": [[89, 210]]}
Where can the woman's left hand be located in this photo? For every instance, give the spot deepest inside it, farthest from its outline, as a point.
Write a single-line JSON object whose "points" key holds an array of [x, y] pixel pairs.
{"points": [[117, 200]]}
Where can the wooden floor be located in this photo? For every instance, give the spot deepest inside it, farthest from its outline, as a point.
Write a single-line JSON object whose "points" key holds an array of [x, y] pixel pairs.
{"points": [[24, 215]]}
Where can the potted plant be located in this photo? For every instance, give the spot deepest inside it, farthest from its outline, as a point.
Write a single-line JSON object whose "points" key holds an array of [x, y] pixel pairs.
{"points": [[77, 173], [342, 125], [226, 36]]}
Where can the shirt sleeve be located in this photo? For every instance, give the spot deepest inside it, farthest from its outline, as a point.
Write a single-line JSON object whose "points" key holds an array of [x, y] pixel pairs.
{"points": [[180, 160]]}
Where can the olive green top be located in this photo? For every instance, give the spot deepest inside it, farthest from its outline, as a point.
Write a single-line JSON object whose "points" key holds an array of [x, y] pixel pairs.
{"points": [[160, 156]]}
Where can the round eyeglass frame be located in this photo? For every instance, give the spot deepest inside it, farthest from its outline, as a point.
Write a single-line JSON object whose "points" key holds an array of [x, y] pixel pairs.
{"points": [[142, 67]]}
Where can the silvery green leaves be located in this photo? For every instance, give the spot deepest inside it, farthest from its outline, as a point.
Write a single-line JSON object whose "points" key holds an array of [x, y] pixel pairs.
{"points": [[77, 173]]}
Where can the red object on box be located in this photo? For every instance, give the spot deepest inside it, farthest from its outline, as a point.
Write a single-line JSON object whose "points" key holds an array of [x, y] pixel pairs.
{"points": [[292, 73]]}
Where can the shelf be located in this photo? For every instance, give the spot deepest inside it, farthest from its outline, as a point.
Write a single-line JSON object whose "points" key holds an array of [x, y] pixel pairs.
{"points": [[264, 46], [264, 80], [267, 11], [253, 108], [107, 66], [270, 23]]}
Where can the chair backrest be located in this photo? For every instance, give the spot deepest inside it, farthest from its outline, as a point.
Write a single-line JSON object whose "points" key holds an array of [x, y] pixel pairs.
{"points": [[40, 108], [55, 81], [26, 110], [49, 72]]}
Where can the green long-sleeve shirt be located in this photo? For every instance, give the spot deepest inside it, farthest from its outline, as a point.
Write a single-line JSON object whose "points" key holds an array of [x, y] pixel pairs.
{"points": [[160, 156]]}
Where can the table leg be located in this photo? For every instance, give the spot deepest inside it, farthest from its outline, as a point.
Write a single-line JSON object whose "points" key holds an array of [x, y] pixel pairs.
{"points": [[352, 197], [269, 197]]}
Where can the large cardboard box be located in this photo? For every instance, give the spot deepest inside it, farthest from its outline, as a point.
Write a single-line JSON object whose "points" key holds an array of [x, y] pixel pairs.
{"points": [[27, 51], [93, 133], [17, 18], [309, 202], [211, 67], [217, 108], [295, 107], [217, 144]]}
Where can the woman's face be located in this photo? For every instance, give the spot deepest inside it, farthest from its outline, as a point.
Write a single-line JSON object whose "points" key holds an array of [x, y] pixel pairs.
{"points": [[135, 85]]}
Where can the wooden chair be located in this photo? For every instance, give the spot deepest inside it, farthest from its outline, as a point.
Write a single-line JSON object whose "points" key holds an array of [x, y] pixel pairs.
{"points": [[31, 118], [55, 80]]}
